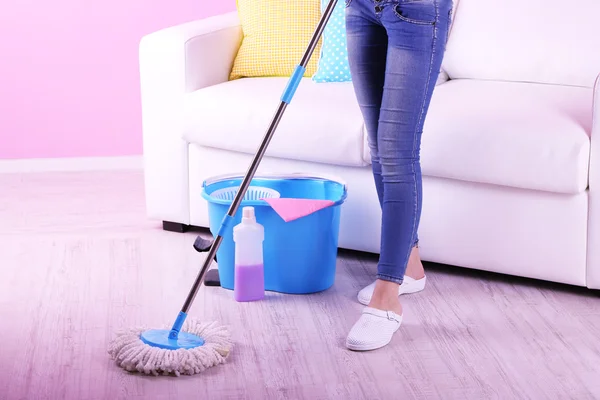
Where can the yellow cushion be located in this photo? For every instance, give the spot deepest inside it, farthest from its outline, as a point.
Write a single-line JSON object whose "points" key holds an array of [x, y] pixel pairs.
{"points": [[276, 35]]}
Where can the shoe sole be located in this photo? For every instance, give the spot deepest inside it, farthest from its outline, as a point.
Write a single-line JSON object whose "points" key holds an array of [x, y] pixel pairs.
{"points": [[368, 348]]}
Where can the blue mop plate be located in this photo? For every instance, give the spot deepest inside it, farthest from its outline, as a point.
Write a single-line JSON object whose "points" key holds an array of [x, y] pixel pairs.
{"points": [[160, 338]]}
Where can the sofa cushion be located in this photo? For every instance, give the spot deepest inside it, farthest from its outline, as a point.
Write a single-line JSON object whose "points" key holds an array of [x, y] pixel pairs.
{"points": [[522, 135], [333, 63], [530, 136], [544, 41], [275, 36], [321, 124]]}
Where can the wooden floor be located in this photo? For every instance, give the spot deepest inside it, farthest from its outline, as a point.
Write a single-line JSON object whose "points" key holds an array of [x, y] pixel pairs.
{"points": [[80, 260]]}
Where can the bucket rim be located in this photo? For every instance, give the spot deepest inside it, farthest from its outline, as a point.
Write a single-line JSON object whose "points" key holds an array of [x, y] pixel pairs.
{"points": [[288, 176]]}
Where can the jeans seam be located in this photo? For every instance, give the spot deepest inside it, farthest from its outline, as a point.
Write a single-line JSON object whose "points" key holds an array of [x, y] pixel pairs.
{"points": [[433, 42], [448, 29]]}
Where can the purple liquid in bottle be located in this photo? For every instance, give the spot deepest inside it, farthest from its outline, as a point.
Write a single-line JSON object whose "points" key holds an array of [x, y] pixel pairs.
{"points": [[249, 284], [249, 276]]}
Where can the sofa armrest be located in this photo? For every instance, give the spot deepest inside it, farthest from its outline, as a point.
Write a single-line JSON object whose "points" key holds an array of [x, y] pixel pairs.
{"points": [[593, 263], [175, 61]]}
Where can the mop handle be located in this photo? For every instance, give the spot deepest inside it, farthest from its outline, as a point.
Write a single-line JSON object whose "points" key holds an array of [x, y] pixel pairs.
{"points": [[285, 100]]}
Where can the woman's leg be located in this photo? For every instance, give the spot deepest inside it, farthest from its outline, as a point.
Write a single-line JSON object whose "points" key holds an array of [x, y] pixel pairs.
{"points": [[367, 52], [368, 48], [416, 36]]}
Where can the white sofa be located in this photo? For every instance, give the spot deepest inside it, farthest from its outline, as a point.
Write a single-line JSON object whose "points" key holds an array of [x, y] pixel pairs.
{"points": [[510, 150]]}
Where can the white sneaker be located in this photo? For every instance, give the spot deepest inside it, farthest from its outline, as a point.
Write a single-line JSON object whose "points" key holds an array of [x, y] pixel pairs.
{"points": [[374, 329], [409, 285]]}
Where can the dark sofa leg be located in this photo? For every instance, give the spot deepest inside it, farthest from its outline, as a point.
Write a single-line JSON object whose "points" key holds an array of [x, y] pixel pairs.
{"points": [[175, 227]]}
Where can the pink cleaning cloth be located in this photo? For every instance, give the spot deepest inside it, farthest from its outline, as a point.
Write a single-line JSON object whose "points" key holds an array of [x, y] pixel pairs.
{"points": [[291, 209]]}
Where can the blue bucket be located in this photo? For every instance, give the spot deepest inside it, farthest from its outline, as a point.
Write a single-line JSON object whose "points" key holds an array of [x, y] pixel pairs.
{"points": [[299, 256]]}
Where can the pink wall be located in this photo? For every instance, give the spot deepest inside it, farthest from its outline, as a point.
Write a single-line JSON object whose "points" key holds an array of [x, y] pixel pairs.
{"points": [[69, 73]]}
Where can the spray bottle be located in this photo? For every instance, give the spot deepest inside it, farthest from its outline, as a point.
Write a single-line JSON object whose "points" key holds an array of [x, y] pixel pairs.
{"points": [[249, 279]]}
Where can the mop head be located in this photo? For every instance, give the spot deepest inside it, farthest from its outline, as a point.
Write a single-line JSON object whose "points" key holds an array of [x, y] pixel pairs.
{"points": [[132, 354]]}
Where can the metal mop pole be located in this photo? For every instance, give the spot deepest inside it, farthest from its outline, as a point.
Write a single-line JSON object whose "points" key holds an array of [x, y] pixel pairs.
{"points": [[286, 97]]}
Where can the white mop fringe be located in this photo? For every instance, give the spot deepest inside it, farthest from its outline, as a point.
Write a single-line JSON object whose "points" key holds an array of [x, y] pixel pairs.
{"points": [[131, 354]]}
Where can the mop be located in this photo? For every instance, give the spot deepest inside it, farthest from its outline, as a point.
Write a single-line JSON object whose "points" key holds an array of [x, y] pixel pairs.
{"points": [[191, 346]]}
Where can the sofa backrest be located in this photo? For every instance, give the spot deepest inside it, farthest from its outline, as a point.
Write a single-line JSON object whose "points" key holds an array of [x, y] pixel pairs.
{"points": [[544, 41]]}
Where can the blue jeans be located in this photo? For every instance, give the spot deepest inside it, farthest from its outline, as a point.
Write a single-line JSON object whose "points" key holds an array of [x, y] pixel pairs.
{"points": [[395, 51]]}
